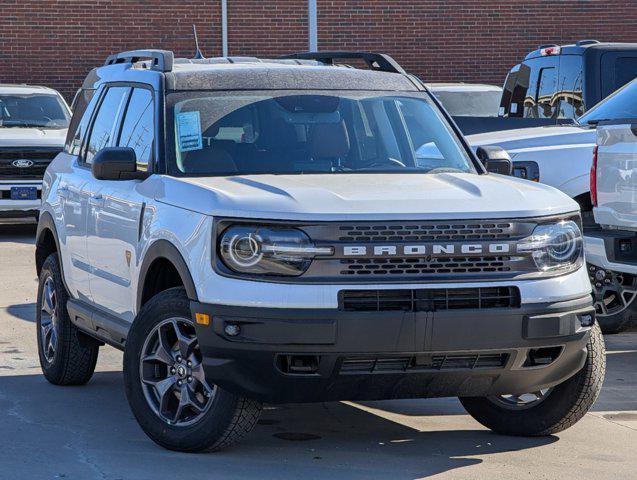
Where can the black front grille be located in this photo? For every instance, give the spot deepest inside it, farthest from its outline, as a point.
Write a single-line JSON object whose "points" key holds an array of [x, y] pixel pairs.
{"points": [[428, 300], [40, 158], [421, 363], [421, 232], [425, 266]]}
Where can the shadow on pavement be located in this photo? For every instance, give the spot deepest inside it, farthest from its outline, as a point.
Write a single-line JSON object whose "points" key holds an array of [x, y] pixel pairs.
{"points": [[22, 311], [23, 232], [89, 432]]}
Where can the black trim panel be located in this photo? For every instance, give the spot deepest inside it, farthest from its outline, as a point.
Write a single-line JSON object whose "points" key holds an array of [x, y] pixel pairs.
{"points": [[165, 249]]}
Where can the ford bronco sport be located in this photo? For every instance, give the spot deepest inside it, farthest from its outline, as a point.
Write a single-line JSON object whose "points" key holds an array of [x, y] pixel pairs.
{"points": [[254, 231]]}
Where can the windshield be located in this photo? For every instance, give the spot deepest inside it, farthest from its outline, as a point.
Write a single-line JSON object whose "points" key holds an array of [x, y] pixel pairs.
{"points": [[470, 103], [234, 133], [620, 105], [34, 110]]}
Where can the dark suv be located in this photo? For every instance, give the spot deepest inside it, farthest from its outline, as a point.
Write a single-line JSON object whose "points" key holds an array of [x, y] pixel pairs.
{"points": [[562, 82]]}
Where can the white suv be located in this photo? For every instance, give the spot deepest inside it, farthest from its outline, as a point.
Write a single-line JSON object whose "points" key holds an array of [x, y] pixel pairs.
{"points": [[33, 125], [265, 231]]}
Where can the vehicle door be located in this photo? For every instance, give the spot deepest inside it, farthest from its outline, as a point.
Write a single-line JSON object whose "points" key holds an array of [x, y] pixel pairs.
{"points": [[116, 214], [71, 205], [102, 133]]}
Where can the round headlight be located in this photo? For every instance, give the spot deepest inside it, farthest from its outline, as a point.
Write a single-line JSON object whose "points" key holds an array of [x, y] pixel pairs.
{"points": [[264, 250], [555, 246]]}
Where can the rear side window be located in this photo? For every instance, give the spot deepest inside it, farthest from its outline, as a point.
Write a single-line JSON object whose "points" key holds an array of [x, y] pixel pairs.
{"points": [[625, 70], [105, 126], [569, 87], [138, 127], [530, 91]]}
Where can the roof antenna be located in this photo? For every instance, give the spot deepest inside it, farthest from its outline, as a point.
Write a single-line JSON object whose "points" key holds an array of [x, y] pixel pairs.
{"points": [[198, 54]]}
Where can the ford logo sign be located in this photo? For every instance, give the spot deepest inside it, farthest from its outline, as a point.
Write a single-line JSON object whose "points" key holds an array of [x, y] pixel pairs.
{"points": [[22, 163]]}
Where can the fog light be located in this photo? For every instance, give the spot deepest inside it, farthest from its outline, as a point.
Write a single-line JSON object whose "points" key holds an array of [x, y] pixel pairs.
{"points": [[232, 330], [587, 319]]}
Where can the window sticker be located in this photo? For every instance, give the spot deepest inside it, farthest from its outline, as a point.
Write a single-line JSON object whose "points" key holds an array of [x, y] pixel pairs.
{"points": [[189, 131]]}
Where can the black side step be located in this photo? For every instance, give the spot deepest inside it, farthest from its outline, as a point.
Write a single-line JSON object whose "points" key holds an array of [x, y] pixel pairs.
{"points": [[102, 326]]}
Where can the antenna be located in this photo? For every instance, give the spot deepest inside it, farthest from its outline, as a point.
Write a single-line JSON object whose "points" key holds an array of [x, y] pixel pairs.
{"points": [[198, 54]]}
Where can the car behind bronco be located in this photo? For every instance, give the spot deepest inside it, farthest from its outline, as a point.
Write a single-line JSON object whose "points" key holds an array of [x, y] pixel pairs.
{"points": [[292, 230], [33, 123]]}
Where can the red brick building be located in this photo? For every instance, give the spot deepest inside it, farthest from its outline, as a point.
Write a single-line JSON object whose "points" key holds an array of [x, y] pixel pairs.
{"points": [[55, 42]]}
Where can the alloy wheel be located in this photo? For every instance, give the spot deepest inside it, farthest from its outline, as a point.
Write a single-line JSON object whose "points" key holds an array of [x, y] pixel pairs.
{"points": [[49, 320], [172, 375], [521, 401], [613, 292]]}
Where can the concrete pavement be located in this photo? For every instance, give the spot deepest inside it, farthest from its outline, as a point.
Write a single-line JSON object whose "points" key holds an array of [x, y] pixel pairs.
{"points": [[88, 432]]}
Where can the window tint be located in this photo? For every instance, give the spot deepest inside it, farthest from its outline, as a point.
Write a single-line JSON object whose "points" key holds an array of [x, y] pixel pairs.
{"points": [[620, 105], [138, 128], [515, 87], [541, 105], [569, 87], [625, 70], [77, 128], [74, 142], [104, 130]]}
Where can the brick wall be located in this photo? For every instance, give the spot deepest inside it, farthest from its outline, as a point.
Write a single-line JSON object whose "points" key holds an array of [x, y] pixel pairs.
{"points": [[55, 42]]}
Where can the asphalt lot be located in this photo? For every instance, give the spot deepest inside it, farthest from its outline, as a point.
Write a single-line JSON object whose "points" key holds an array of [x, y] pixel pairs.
{"points": [[88, 432]]}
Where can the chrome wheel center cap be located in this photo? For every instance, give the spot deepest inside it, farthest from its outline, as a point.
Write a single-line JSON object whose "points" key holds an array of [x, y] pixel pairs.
{"points": [[181, 371]]}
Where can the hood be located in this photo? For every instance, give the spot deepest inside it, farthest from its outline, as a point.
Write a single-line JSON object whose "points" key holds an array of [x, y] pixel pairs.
{"points": [[32, 137], [537, 137], [364, 196]]}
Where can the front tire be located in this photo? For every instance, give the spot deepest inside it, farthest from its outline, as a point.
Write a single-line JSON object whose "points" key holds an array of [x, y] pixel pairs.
{"points": [[67, 355], [552, 410], [166, 385], [615, 299]]}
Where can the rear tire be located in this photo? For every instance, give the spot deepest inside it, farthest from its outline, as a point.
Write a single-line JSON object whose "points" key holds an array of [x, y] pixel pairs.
{"points": [[162, 368], [564, 405], [67, 355]]}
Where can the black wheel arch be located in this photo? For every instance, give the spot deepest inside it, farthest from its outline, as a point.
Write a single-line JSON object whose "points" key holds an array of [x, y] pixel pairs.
{"points": [[164, 250], [46, 232]]}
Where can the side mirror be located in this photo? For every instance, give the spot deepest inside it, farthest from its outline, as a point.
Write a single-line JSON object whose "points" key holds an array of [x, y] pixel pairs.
{"points": [[116, 163], [495, 160]]}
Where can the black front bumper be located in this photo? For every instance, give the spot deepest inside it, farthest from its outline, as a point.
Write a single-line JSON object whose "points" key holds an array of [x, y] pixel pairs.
{"points": [[300, 355]]}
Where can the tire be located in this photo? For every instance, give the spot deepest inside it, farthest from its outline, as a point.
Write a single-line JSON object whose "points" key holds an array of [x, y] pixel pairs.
{"points": [[220, 418], [74, 355], [614, 316], [619, 322], [564, 405]]}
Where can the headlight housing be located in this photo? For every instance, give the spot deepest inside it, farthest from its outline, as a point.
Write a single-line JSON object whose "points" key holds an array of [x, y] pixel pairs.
{"points": [[555, 247], [265, 250]]}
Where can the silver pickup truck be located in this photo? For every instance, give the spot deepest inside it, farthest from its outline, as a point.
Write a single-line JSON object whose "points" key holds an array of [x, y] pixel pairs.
{"points": [[611, 249]]}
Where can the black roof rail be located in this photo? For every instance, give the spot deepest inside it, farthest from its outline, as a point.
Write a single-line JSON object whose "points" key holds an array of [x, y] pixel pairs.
{"points": [[375, 61], [162, 60], [586, 42]]}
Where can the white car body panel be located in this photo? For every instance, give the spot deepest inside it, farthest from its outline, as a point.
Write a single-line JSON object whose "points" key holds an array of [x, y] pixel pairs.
{"points": [[366, 196], [563, 153], [616, 177]]}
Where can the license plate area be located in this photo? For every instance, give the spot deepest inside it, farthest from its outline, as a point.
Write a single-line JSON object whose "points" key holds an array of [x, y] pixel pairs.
{"points": [[24, 193]]}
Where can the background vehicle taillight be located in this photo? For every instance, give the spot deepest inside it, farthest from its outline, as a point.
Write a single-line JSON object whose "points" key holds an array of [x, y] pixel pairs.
{"points": [[594, 177]]}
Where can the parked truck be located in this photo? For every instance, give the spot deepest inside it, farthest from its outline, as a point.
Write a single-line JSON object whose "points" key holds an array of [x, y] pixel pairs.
{"points": [[612, 248]]}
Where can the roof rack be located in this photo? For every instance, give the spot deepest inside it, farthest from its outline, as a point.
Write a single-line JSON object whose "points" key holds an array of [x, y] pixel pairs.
{"points": [[162, 60], [375, 61]]}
